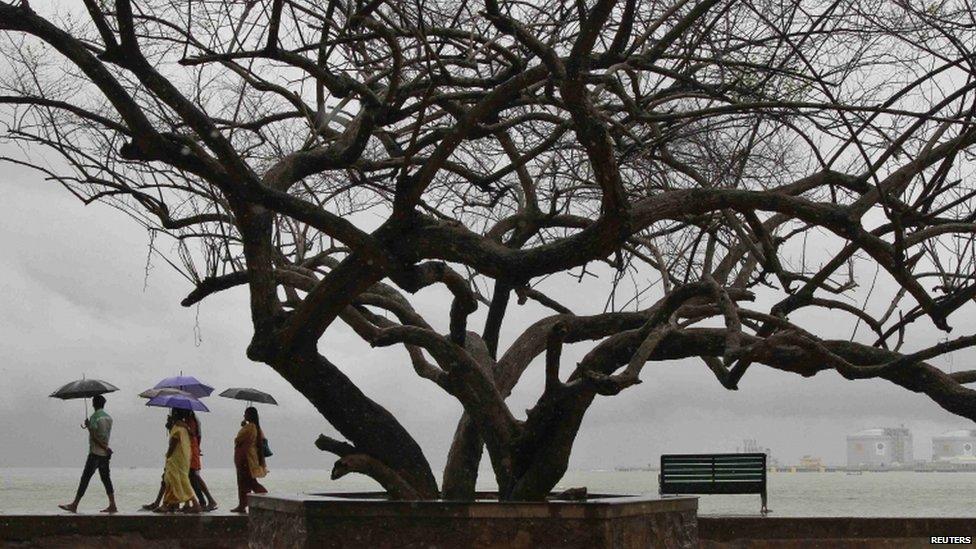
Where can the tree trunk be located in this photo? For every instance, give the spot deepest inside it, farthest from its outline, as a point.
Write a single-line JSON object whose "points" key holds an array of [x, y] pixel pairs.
{"points": [[463, 460], [370, 428], [467, 448], [543, 454]]}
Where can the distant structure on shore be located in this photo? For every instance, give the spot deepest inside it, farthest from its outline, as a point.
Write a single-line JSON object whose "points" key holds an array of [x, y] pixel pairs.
{"points": [[954, 446], [811, 463], [752, 446], [879, 448]]}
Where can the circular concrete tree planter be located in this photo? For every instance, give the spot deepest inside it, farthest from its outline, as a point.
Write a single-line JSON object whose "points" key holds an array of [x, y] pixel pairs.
{"points": [[371, 520]]}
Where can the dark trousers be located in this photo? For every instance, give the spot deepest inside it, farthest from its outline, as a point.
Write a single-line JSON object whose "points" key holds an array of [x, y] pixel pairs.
{"points": [[246, 483], [197, 485], [91, 464]]}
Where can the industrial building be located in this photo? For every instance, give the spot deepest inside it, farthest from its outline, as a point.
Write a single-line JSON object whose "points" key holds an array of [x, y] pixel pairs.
{"points": [[752, 446], [954, 446], [879, 448]]}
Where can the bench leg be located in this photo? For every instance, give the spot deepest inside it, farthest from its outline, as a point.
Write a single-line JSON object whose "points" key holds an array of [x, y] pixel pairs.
{"points": [[765, 510]]}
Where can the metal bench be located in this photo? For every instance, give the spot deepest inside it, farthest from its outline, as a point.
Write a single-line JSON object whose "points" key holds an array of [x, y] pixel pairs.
{"points": [[714, 474]]}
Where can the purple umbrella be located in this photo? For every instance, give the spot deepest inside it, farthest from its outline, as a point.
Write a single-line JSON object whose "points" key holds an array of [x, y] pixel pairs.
{"points": [[189, 384], [185, 402]]}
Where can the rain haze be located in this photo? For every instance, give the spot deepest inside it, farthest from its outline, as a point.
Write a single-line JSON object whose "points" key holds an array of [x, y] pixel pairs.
{"points": [[83, 295], [88, 291]]}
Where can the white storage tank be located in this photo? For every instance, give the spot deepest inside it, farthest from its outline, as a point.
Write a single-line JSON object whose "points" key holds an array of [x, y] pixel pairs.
{"points": [[954, 445], [879, 448]]}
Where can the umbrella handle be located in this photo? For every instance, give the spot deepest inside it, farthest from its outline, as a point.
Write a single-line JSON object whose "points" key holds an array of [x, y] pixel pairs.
{"points": [[83, 426]]}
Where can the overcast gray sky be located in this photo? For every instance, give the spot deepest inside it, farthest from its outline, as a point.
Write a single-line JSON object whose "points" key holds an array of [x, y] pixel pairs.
{"points": [[76, 301]]}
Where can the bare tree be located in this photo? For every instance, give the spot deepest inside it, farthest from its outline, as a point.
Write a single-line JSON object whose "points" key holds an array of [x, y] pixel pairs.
{"points": [[708, 152]]}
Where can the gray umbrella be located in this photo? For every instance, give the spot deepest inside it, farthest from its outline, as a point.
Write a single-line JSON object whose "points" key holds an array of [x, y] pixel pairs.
{"points": [[250, 395], [153, 393], [84, 388]]}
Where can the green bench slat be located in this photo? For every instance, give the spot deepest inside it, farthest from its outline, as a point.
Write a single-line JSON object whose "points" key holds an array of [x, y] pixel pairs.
{"points": [[715, 468], [751, 466], [715, 473], [668, 480], [713, 456], [717, 462], [670, 476], [710, 488], [695, 466]]}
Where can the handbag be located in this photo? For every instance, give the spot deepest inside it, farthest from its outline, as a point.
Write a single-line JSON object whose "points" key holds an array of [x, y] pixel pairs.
{"points": [[266, 448]]}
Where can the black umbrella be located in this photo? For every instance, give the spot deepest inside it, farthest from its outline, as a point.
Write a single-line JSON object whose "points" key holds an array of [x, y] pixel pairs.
{"points": [[84, 388], [250, 395]]}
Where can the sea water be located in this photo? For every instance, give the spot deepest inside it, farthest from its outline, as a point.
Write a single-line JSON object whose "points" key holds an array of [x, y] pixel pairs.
{"points": [[888, 494]]}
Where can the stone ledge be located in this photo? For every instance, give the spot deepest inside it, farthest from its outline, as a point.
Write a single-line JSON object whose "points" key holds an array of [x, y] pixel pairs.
{"points": [[363, 520], [748, 532], [142, 530], [231, 532], [372, 505]]}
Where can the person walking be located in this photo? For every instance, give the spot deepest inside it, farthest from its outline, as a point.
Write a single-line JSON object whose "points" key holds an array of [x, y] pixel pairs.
{"points": [[207, 501], [99, 427], [249, 459], [176, 474], [162, 479]]}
